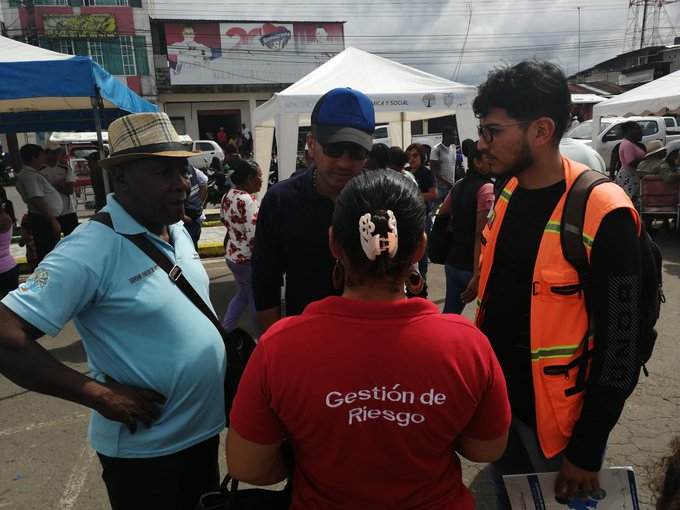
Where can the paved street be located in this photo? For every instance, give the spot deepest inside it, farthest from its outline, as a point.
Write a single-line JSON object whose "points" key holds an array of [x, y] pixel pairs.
{"points": [[46, 463]]}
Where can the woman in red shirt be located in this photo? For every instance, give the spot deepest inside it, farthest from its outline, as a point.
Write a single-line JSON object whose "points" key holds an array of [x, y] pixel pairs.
{"points": [[377, 394]]}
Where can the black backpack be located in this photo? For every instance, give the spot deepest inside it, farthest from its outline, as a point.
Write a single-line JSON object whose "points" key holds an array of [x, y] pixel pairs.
{"points": [[571, 236]]}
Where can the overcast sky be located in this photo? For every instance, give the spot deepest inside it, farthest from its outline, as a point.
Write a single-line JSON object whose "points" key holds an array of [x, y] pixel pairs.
{"points": [[431, 34]]}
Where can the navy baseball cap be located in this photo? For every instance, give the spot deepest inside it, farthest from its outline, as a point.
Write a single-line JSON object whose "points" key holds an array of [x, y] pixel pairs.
{"points": [[344, 115]]}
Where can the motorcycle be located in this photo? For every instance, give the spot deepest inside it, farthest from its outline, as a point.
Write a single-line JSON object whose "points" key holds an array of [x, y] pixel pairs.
{"points": [[273, 171], [7, 176], [218, 185]]}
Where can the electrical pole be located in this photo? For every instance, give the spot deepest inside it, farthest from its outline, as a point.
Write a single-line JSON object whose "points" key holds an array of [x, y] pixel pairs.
{"points": [[578, 66], [644, 21], [32, 29]]}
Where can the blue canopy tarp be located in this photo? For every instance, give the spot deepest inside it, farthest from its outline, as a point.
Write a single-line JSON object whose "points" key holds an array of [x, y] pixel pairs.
{"points": [[34, 80]]}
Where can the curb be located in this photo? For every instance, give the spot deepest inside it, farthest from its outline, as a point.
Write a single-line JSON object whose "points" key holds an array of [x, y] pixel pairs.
{"points": [[205, 251], [210, 250], [206, 224]]}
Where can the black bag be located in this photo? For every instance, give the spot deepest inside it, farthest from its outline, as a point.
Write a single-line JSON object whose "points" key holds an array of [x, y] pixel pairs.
{"points": [[651, 291], [238, 344], [244, 499], [237, 358], [439, 241]]}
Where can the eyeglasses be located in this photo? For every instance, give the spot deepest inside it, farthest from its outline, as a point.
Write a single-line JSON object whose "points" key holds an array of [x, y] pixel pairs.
{"points": [[486, 131], [336, 150]]}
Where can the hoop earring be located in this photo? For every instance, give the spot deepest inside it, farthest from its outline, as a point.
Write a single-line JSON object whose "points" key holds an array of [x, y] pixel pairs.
{"points": [[415, 284], [338, 276]]}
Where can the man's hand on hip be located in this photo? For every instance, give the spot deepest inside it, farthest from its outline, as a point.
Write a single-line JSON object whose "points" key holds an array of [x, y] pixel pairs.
{"points": [[572, 477], [127, 404]]}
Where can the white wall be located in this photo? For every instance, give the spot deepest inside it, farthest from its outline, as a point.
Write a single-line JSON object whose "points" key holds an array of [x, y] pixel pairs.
{"points": [[188, 105], [190, 113]]}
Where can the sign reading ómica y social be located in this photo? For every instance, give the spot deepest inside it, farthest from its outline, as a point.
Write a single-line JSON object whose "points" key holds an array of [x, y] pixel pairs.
{"points": [[249, 52]]}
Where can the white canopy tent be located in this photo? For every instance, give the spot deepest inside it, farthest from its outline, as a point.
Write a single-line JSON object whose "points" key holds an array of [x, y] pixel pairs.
{"points": [[400, 95], [658, 97], [586, 98]]}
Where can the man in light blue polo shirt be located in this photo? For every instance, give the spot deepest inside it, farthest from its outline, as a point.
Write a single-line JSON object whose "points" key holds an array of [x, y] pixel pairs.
{"points": [[155, 359]]}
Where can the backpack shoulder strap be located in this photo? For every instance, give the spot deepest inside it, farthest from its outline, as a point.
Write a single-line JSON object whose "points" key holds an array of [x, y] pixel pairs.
{"points": [[573, 216], [571, 239]]}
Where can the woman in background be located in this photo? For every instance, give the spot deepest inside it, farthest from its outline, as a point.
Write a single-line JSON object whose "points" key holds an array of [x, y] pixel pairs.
{"points": [[239, 214], [9, 270], [428, 188], [468, 203], [630, 155]]}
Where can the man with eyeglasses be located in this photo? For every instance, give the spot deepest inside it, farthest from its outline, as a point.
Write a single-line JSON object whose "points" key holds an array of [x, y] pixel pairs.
{"points": [[568, 369], [291, 238]]}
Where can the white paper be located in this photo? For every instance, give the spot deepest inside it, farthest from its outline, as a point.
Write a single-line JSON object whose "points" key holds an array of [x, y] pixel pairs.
{"points": [[536, 491]]}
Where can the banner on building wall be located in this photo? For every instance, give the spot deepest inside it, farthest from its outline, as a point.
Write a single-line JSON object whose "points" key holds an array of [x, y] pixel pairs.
{"points": [[248, 53], [96, 25]]}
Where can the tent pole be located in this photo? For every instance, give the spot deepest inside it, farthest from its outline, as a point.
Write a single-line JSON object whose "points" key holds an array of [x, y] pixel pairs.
{"points": [[96, 103]]}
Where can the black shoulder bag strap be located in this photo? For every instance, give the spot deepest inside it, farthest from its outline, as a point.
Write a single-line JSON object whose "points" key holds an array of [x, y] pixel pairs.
{"points": [[175, 274], [571, 238], [456, 187]]}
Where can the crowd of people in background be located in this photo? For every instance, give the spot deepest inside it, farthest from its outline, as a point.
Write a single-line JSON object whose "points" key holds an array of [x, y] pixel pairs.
{"points": [[242, 139], [338, 370]]}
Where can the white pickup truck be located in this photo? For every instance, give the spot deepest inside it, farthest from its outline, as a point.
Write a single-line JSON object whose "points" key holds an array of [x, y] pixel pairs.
{"points": [[211, 153], [381, 135], [611, 134], [671, 123]]}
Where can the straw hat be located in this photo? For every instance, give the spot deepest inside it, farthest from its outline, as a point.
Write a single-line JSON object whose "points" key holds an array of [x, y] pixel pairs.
{"points": [[52, 146], [654, 147], [143, 135]]}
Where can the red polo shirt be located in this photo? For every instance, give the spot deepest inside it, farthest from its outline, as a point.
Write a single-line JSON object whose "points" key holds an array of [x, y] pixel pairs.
{"points": [[374, 396]]}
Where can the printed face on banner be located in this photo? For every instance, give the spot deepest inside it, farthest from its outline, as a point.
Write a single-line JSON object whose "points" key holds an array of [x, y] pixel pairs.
{"points": [[191, 47], [239, 53]]}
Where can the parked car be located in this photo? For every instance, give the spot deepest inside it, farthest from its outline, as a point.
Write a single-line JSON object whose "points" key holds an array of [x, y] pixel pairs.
{"points": [[381, 135], [211, 155], [77, 146], [611, 133], [76, 154]]}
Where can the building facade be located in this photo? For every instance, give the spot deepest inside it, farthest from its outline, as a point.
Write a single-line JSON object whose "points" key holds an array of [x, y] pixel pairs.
{"points": [[632, 69], [212, 74], [206, 74], [114, 33]]}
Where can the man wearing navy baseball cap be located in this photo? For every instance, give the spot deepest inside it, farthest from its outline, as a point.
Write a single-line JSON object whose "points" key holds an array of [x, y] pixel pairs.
{"points": [[292, 228]]}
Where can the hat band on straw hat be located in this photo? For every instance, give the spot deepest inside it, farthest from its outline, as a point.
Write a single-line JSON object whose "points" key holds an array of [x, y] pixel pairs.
{"points": [[151, 148]]}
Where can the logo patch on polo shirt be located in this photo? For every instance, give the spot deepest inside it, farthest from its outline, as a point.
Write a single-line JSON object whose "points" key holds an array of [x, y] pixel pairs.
{"points": [[36, 282]]}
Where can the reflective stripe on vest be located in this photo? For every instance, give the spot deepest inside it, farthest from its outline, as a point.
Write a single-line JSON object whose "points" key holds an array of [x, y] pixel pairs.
{"points": [[559, 351]]}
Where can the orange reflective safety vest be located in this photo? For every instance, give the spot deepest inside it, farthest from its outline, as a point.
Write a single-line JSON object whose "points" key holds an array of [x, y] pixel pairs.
{"points": [[559, 325]]}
